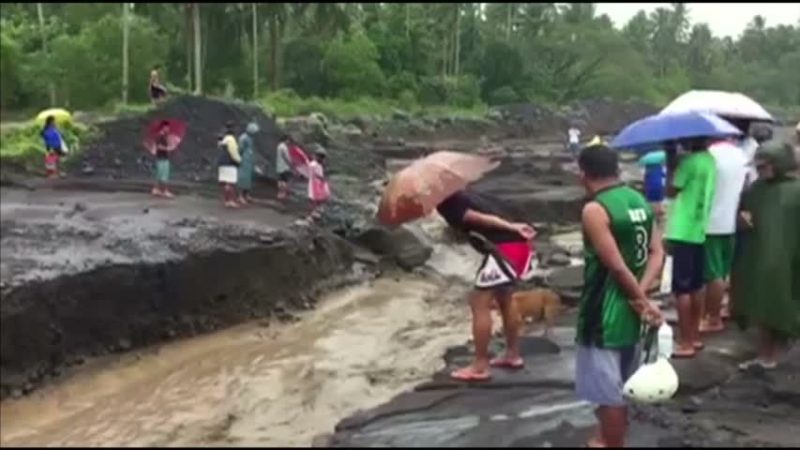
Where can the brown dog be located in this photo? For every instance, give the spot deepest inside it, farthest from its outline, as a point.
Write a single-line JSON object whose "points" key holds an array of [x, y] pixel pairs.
{"points": [[536, 305]]}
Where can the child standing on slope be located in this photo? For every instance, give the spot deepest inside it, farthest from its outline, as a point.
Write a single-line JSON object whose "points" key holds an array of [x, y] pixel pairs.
{"points": [[318, 189]]}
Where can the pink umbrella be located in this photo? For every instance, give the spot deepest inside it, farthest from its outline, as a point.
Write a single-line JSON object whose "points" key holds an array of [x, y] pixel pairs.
{"points": [[176, 130]]}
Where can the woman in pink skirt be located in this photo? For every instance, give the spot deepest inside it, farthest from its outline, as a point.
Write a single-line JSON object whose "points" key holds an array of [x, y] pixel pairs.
{"points": [[318, 189]]}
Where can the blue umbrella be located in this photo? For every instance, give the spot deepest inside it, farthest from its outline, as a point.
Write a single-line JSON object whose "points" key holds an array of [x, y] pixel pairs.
{"points": [[647, 134]]}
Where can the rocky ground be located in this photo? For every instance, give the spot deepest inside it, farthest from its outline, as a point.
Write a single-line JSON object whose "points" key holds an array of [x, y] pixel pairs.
{"points": [[536, 407], [92, 265]]}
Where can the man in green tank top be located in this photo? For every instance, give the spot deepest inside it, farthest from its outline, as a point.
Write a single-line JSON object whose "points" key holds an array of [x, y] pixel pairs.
{"points": [[623, 255]]}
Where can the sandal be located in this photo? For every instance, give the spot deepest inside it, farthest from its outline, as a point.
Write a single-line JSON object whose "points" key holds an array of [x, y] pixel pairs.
{"points": [[508, 363], [469, 374], [757, 362]]}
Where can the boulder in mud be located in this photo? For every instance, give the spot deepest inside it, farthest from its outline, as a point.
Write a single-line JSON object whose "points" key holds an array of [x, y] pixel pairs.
{"points": [[401, 245]]}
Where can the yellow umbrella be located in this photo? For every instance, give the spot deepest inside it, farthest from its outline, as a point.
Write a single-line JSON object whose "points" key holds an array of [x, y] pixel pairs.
{"points": [[62, 116]]}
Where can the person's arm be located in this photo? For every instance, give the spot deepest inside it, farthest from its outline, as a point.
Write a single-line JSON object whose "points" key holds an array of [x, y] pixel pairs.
{"points": [[233, 149], [654, 260], [491, 221], [596, 224]]}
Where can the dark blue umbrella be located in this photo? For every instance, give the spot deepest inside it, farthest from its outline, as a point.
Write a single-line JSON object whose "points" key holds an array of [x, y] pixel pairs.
{"points": [[650, 132]]}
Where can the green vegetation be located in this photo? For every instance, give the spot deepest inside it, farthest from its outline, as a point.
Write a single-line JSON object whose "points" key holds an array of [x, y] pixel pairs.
{"points": [[373, 58], [286, 103]]}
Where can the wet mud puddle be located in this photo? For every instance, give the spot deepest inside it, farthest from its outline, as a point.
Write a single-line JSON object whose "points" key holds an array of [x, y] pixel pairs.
{"points": [[253, 385]]}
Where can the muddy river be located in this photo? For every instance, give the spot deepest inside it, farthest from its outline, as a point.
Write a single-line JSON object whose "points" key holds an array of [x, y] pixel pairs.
{"points": [[255, 385]]}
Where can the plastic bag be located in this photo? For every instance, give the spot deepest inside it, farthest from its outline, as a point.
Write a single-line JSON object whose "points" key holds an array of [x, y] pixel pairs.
{"points": [[656, 380]]}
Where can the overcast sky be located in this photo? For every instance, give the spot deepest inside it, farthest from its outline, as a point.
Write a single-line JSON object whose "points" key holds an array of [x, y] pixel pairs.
{"points": [[725, 19]]}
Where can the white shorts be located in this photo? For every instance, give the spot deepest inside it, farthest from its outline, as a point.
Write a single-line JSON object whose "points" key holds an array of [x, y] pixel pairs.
{"points": [[228, 174], [515, 265]]}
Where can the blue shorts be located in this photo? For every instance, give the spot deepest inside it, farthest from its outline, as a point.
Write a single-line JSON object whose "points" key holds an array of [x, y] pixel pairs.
{"points": [[601, 373], [688, 267]]}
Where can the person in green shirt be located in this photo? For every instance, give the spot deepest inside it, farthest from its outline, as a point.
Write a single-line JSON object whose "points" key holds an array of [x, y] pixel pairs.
{"points": [[623, 255], [691, 184]]}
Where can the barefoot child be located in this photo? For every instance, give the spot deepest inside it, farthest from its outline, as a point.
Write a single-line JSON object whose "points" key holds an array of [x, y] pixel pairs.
{"points": [[162, 162], [318, 189]]}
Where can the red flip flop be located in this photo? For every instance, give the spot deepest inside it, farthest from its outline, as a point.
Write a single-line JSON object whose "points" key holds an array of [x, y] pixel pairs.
{"points": [[467, 374], [506, 363]]}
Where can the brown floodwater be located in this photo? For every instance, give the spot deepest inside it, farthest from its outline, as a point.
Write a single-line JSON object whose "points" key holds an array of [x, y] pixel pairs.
{"points": [[252, 385]]}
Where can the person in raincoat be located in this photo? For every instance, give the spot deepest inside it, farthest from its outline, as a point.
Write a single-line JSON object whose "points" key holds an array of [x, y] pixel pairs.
{"points": [[765, 282], [245, 173]]}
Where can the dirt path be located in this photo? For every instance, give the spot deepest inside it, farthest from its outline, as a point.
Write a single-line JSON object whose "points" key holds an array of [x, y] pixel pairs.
{"points": [[252, 385]]}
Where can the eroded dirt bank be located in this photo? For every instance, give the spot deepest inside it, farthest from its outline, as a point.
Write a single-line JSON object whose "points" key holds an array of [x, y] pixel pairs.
{"points": [[84, 274]]}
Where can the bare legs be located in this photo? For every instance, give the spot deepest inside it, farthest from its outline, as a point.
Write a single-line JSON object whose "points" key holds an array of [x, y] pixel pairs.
{"points": [[712, 320], [610, 432], [229, 195], [481, 305]]}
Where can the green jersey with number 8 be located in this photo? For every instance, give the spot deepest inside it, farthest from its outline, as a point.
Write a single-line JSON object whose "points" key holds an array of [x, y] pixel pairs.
{"points": [[605, 317]]}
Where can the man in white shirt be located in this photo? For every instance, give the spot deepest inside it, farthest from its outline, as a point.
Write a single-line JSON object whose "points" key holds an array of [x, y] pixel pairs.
{"points": [[731, 163], [574, 140]]}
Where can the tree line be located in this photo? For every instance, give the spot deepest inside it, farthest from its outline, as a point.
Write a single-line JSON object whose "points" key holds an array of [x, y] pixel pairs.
{"points": [[461, 54]]}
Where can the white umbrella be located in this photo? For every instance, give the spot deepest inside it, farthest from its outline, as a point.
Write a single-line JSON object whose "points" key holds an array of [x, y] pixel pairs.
{"points": [[721, 103]]}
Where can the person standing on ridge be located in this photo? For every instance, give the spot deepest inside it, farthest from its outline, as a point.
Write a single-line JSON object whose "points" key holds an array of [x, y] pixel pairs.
{"points": [[691, 182], [623, 255], [229, 160], [245, 173], [157, 91], [469, 213], [719, 247], [161, 188]]}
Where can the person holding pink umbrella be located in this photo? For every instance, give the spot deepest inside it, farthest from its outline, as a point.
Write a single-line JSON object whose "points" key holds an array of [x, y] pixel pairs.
{"points": [[160, 188]]}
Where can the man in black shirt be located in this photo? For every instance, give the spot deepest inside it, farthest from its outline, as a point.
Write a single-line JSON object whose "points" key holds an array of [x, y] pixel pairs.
{"points": [[509, 260]]}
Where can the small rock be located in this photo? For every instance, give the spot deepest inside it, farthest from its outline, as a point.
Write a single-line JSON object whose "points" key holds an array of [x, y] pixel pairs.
{"points": [[146, 211], [28, 388], [87, 169], [79, 207], [16, 393], [559, 260], [117, 162], [124, 344]]}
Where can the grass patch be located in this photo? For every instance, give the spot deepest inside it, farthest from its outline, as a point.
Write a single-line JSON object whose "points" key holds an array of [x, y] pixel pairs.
{"points": [[286, 103]]}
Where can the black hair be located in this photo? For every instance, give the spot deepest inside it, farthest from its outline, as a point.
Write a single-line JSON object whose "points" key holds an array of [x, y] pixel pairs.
{"points": [[598, 162], [742, 124], [229, 126], [695, 145], [49, 120]]}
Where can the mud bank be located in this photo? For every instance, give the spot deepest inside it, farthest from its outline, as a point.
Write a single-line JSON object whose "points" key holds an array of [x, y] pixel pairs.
{"points": [[85, 274]]}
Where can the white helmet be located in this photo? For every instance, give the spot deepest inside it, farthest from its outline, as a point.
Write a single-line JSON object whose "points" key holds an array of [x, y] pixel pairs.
{"points": [[652, 383]]}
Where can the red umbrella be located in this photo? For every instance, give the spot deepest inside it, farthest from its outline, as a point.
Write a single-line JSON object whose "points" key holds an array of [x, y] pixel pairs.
{"points": [[176, 130], [299, 159], [416, 190]]}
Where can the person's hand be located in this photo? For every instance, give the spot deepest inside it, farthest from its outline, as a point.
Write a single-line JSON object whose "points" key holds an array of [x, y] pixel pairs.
{"points": [[524, 230], [652, 315], [747, 218]]}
